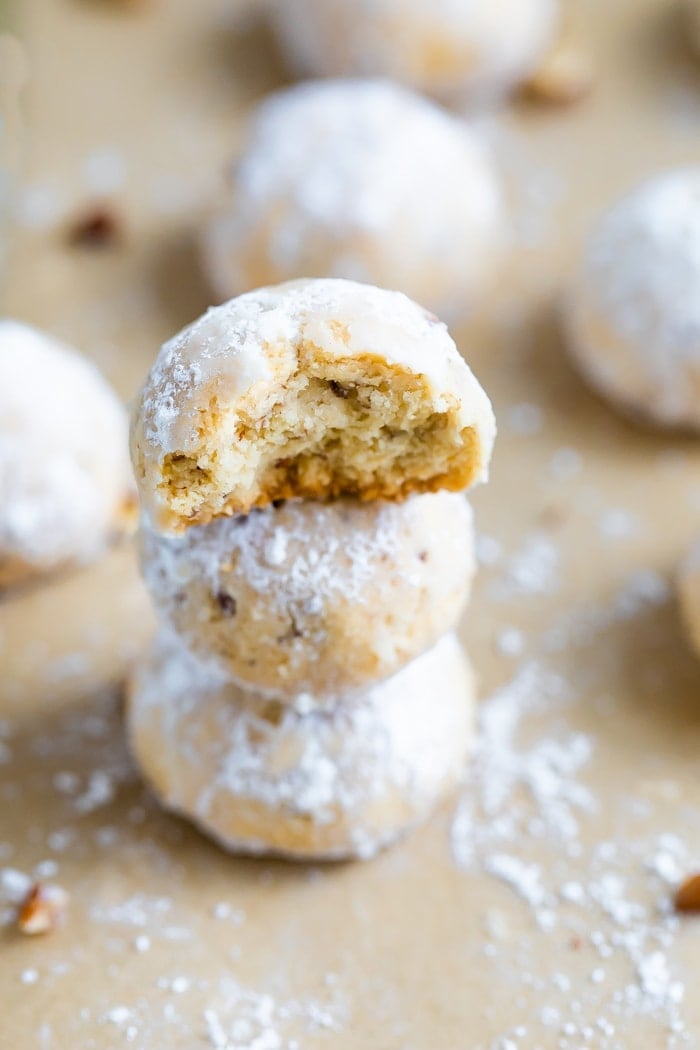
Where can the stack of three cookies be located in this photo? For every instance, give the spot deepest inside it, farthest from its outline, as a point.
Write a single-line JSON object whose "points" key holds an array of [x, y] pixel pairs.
{"points": [[301, 453]]}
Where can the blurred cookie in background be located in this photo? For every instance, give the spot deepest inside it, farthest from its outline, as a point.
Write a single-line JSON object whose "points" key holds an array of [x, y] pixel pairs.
{"points": [[66, 484], [364, 180], [632, 311], [448, 49]]}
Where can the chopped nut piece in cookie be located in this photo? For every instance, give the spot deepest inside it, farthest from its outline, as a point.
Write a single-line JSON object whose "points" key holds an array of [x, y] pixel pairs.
{"points": [[43, 909]]}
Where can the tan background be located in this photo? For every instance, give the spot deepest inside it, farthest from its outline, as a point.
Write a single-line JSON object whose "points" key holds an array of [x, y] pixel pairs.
{"points": [[171, 943]]}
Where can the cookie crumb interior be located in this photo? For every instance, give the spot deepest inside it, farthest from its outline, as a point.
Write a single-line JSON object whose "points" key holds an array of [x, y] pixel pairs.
{"points": [[341, 427]]}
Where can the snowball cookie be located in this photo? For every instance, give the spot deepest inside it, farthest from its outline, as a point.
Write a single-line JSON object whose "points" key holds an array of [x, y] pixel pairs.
{"points": [[359, 179], [264, 777], [689, 595], [312, 389], [632, 313], [322, 598], [449, 48], [65, 479]]}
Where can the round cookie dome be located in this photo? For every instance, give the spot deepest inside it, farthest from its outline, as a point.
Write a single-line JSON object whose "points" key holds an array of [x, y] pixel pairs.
{"points": [[632, 312], [689, 595], [312, 597], [264, 777], [313, 389], [364, 180], [65, 478], [449, 48]]}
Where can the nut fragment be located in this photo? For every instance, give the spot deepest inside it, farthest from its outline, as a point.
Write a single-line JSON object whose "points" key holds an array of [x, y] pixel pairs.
{"points": [[687, 897], [564, 77], [42, 909], [96, 228]]}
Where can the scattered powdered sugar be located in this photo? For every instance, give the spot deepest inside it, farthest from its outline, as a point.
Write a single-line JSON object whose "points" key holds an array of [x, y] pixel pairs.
{"points": [[104, 172], [618, 523], [138, 910], [226, 1015], [98, 792], [643, 589], [524, 419], [14, 885], [510, 641], [524, 819], [536, 192], [546, 771], [488, 550], [240, 1019], [532, 569], [565, 463], [40, 204]]}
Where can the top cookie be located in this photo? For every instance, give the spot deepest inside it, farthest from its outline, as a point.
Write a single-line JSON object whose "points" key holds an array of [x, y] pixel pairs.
{"points": [[313, 389]]}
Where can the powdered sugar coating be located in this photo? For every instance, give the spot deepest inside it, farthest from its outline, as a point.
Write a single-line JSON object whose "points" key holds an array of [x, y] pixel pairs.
{"points": [[359, 179], [320, 598], [632, 313], [244, 351], [445, 47], [64, 467], [262, 777]]}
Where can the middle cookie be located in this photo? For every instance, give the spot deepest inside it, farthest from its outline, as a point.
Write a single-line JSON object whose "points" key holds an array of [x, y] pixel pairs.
{"points": [[317, 598]]}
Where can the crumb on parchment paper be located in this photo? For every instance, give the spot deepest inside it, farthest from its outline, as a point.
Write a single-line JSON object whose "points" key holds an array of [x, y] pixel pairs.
{"points": [[43, 909]]}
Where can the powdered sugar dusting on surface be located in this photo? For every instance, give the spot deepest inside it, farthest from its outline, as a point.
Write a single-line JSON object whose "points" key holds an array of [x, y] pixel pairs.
{"points": [[233, 1017], [526, 820], [151, 931], [531, 570]]}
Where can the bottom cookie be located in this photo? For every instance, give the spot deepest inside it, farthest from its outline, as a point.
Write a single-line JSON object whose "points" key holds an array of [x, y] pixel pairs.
{"points": [[266, 777]]}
